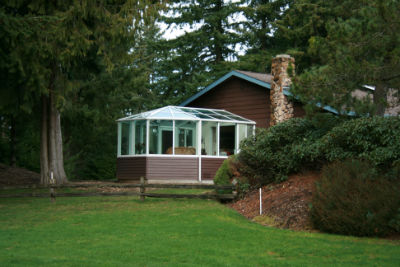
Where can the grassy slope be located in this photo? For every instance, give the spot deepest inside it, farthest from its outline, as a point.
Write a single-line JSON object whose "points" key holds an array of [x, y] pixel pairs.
{"points": [[118, 231]]}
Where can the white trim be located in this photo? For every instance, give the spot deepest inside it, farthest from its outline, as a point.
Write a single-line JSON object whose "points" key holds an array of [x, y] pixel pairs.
{"points": [[218, 145], [132, 138], [199, 131], [173, 137], [147, 136], [236, 139], [172, 156], [119, 130], [179, 119]]}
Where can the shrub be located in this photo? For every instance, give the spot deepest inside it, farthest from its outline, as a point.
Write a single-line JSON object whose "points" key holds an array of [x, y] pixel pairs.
{"points": [[353, 198], [374, 139], [223, 175], [275, 152]]}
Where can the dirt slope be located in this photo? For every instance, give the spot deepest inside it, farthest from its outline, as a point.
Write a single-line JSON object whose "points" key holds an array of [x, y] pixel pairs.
{"points": [[285, 205], [17, 176]]}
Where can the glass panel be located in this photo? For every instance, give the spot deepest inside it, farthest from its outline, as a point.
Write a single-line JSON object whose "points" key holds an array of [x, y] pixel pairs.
{"points": [[140, 137], [227, 139], [125, 138], [209, 138], [249, 130], [220, 117], [185, 137], [242, 133], [160, 137], [236, 118]]}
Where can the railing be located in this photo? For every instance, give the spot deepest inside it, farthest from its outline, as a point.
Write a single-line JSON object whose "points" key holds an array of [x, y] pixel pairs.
{"points": [[143, 185]]}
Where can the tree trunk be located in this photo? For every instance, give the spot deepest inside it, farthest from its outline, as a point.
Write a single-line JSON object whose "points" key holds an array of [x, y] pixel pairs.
{"points": [[13, 138], [51, 158], [44, 156], [380, 99]]}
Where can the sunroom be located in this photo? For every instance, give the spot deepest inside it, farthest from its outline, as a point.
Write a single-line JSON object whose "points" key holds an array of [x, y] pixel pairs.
{"points": [[178, 143]]}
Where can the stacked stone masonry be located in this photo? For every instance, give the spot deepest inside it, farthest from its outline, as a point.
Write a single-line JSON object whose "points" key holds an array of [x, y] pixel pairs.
{"points": [[281, 107]]}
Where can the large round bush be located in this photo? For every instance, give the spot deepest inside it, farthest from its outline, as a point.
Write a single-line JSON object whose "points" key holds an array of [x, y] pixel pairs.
{"points": [[352, 198]]}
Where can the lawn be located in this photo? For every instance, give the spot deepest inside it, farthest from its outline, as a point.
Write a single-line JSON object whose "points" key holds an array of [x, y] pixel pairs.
{"points": [[118, 231]]}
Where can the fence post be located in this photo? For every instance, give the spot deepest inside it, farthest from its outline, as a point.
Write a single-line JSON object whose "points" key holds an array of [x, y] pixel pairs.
{"points": [[142, 188]]}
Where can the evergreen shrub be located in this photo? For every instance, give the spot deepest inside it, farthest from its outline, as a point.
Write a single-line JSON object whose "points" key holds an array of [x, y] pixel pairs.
{"points": [[298, 144], [375, 139], [275, 152], [353, 198]]}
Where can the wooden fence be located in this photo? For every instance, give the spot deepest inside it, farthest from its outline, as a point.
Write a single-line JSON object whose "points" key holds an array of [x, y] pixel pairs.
{"points": [[143, 185]]}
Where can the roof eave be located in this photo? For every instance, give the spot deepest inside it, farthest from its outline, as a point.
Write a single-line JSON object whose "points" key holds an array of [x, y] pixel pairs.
{"points": [[221, 80]]}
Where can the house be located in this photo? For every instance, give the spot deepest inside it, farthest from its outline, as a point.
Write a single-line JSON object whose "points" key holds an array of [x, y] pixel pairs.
{"points": [[189, 142], [250, 94]]}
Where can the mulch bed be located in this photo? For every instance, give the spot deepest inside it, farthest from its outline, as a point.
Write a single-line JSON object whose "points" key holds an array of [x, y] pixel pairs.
{"points": [[287, 203]]}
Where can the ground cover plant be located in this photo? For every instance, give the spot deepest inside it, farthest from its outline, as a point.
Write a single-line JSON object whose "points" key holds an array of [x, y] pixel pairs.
{"points": [[118, 231]]}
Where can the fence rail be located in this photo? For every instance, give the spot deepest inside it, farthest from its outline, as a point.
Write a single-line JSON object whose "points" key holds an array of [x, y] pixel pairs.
{"points": [[143, 185]]}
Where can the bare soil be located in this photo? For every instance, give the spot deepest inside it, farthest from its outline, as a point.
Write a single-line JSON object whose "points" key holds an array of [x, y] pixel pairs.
{"points": [[285, 205], [17, 176]]}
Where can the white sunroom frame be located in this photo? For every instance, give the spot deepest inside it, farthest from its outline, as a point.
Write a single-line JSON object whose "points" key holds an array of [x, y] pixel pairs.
{"points": [[148, 116]]}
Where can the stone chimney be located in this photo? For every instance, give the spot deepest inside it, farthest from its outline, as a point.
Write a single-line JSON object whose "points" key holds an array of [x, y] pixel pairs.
{"points": [[281, 107]]}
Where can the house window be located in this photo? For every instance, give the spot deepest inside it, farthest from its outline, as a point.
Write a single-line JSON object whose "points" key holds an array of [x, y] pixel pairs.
{"points": [[185, 137], [227, 139], [125, 138], [160, 137], [140, 137], [209, 142]]}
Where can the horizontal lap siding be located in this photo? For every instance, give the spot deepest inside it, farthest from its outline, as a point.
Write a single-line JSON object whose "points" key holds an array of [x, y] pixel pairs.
{"points": [[239, 97], [209, 167], [131, 168], [172, 168]]}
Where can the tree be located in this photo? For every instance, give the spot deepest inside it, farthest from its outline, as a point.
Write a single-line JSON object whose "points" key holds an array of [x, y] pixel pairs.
{"points": [[64, 43], [361, 47], [190, 61], [259, 33]]}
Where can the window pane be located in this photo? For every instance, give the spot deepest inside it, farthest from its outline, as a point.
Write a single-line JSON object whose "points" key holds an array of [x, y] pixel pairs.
{"points": [[125, 138], [249, 130], [160, 139], [140, 137], [209, 138], [185, 137], [227, 139]]}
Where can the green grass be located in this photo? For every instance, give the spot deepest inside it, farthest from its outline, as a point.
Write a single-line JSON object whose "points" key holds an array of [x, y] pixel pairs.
{"points": [[122, 231]]}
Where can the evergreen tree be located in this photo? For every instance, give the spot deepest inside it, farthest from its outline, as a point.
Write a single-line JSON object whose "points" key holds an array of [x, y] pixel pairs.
{"points": [[55, 49], [259, 33], [190, 61], [360, 47]]}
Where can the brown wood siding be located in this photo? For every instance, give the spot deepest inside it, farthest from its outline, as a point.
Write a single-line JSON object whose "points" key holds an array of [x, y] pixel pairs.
{"points": [[299, 111], [160, 168], [239, 97], [131, 168], [209, 167], [242, 98]]}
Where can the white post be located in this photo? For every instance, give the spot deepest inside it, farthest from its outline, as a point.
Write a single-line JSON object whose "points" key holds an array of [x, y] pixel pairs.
{"points": [[147, 136], [236, 138], [260, 202], [218, 125], [173, 137], [119, 139], [199, 132], [132, 138]]}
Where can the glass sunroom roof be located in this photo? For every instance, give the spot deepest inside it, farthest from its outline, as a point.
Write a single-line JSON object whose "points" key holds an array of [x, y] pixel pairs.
{"points": [[185, 113]]}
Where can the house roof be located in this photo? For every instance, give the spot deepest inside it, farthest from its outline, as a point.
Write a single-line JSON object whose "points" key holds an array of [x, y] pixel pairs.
{"points": [[261, 79], [265, 80], [188, 114]]}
